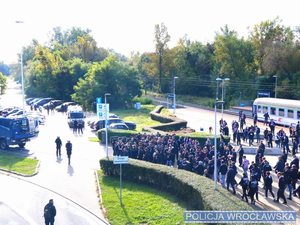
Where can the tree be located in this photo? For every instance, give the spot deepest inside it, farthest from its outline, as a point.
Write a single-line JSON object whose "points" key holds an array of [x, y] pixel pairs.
{"points": [[108, 76], [3, 83], [235, 59], [161, 40], [267, 34]]}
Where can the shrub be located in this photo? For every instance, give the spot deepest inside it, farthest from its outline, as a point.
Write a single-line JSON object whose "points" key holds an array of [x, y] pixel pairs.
{"points": [[193, 188], [113, 133], [143, 100], [170, 123]]}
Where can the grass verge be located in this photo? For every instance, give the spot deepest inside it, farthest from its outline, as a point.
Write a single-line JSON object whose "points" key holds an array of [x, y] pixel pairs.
{"points": [[93, 139], [141, 204], [16, 164], [140, 117]]}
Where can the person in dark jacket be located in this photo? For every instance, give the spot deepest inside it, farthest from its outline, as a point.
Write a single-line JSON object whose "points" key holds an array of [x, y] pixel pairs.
{"points": [[245, 185], [268, 184], [294, 175], [58, 146], [230, 179], [223, 171], [281, 188], [69, 151], [279, 167], [253, 188], [288, 180], [241, 154], [295, 161], [49, 213]]}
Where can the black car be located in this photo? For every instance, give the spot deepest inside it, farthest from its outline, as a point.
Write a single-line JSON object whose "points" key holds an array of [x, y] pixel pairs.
{"points": [[101, 123], [64, 107], [42, 101]]}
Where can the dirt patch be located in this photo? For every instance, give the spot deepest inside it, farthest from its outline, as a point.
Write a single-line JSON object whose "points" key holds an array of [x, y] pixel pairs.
{"points": [[187, 130]]}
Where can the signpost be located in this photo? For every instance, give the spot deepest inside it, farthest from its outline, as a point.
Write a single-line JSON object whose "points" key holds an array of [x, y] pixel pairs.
{"points": [[121, 160]]}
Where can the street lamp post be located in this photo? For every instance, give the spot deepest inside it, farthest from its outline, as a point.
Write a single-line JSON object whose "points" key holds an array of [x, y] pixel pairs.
{"points": [[275, 85], [174, 95], [215, 150], [223, 82], [106, 138], [22, 73]]}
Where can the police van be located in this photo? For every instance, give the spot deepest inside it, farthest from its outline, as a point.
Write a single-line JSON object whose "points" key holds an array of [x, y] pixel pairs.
{"points": [[75, 116]]}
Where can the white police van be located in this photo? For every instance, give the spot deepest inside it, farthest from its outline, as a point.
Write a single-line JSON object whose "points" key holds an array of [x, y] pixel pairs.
{"points": [[75, 113]]}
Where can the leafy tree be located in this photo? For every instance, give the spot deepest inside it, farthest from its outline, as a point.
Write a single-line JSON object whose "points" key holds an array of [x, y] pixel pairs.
{"points": [[148, 71], [192, 63], [161, 40], [108, 76], [235, 59], [267, 34], [3, 83]]}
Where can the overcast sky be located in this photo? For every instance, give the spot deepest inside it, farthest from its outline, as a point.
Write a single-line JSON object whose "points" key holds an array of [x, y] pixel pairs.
{"points": [[128, 25]]}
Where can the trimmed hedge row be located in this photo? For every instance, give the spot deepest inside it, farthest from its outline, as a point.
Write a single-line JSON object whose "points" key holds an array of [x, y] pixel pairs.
{"points": [[114, 133], [196, 190], [170, 123]]}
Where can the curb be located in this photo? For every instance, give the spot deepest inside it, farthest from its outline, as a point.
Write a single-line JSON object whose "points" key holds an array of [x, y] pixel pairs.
{"points": [[100, 196]]}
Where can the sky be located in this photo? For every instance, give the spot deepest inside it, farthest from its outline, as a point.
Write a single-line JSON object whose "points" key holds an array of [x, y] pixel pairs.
{"points": [[128, 25]]}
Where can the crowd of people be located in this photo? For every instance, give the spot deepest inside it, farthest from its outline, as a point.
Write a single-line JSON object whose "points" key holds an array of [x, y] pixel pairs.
{"points": [[189, 154]]}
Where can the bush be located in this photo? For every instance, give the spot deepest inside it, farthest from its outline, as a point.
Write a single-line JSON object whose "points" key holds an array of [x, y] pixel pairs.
{"points": [[193, 188], [170, 123], [143, 100], [113, 133]]}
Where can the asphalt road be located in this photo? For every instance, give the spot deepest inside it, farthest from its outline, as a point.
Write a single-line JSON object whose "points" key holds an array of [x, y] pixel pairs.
{"points": [[73, 187]]}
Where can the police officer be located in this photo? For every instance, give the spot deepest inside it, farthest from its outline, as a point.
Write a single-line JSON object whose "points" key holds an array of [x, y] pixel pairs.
{"points": [[69, 151], [58, 146]]}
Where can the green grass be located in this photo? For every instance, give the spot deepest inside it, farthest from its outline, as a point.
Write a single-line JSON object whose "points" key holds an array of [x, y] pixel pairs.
{"points": [[21, 165], [141, 204], [198, 100], [93, 139], [140, 117]]}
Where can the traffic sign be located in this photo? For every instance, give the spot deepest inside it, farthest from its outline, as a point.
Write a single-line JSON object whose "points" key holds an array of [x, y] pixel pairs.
{"points": [[98, 100], [102, 110], [120, 159]]}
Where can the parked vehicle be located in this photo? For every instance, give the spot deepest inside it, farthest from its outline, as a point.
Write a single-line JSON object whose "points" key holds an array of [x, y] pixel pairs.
{"points": [[52, 104], [75, 113], [130, 125], [119, 126], [64, 107], [17, 131], [101, 123], [41, 102], [38, 116]]}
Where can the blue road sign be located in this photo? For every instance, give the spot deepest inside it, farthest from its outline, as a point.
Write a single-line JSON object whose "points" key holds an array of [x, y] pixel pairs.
{"points": [[99, 100]]}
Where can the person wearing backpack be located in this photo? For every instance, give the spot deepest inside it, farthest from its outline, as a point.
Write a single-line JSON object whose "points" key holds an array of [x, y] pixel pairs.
{"points": [[49, 213]]}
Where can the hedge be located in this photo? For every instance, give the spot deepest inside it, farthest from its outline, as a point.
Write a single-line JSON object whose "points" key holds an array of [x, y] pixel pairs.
{"points": [[113, 133], [169, 123], [196, 190]]}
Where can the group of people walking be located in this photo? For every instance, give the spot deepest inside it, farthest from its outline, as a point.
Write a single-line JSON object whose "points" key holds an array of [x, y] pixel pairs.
{"points": [[68, 146]]}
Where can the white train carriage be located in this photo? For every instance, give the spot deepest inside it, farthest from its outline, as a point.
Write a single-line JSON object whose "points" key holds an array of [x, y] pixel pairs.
{"points": [[282, 111]]}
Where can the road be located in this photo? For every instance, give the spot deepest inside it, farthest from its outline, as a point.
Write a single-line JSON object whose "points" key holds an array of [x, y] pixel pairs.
{"points": [[73, 187]]}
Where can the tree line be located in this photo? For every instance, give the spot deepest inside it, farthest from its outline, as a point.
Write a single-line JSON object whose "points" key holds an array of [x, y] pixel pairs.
{"points": [[71, 66]]}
